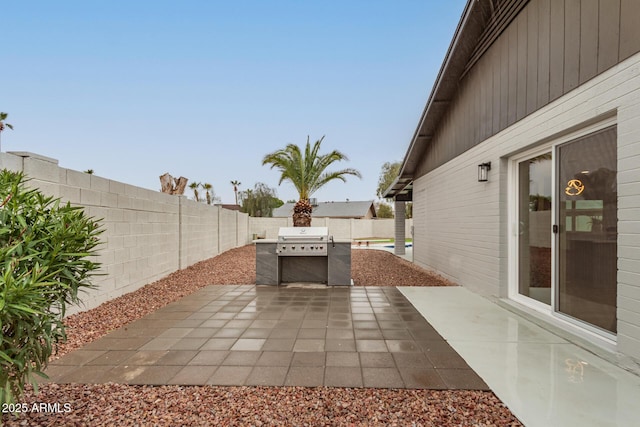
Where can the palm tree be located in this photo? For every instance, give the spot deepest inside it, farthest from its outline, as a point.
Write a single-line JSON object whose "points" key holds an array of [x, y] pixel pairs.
{"points": [[3, 117], [236, 184], [307, 173], [194, 186], [208, 187]]}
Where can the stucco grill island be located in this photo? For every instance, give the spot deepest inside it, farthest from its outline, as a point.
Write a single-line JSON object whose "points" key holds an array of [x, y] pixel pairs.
{"points": [[306, 255]]}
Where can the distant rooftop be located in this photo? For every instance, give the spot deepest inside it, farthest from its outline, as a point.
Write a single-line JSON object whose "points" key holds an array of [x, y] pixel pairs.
{"points": [[358, 209]]}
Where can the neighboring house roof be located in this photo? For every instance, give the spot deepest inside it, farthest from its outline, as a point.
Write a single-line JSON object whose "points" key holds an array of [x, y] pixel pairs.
{"points": [[333, 210]]}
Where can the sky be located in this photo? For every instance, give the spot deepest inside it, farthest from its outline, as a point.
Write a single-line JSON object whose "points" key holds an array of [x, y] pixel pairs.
{"points": [[205, 89]]}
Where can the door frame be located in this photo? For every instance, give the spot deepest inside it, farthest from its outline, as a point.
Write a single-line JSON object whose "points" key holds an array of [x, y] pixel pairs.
{"points": [[547, 145]]}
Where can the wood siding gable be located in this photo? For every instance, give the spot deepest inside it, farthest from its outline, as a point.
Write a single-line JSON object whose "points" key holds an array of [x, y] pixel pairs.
{"points": [[549, 48]]}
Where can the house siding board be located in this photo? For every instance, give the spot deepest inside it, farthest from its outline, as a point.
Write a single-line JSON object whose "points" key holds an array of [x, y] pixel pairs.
{"points": [[571, 45], [532, 62], [608, 34], [629, 28], [556, 50], [588, 39], [521, 77], [543, 58]]}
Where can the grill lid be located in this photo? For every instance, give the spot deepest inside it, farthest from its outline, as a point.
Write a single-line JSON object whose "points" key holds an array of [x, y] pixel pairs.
{"points": [[297, 233]]}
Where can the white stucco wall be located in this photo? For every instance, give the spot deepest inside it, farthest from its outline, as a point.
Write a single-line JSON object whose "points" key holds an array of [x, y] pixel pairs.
{"points": [[461, 225]]}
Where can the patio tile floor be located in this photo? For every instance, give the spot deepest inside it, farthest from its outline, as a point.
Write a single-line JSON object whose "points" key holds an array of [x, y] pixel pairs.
{"points": [[274, 336]]}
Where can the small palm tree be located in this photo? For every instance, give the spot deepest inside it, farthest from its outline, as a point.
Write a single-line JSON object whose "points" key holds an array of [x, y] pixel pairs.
{"points": [[209, 189], [3, 124], [306, 171], [236, 184], [194, 186]]}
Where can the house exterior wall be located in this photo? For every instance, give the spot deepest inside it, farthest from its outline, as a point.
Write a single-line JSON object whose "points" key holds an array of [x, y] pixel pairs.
{"points": [[462, 226], [549, 49], [147, 234]]}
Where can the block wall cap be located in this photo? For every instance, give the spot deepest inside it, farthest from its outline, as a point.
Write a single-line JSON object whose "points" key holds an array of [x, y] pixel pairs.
{"points": [[33, 156]]}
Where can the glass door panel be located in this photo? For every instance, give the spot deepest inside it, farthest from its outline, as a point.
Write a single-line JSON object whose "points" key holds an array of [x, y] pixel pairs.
{"points": [[534, 222], [587, 242]]}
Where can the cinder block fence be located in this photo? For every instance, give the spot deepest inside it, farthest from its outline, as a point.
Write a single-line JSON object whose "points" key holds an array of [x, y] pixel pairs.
{"points": [[148, 234]]}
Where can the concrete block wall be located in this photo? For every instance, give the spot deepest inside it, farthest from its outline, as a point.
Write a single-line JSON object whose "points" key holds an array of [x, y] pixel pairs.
{"points": [[147, 234], [199, 232], [340, 228]]}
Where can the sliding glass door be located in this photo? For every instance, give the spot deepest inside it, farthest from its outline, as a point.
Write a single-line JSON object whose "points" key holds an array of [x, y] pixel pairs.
{"points": [[587, 240], [534, 236], [566, 244]]}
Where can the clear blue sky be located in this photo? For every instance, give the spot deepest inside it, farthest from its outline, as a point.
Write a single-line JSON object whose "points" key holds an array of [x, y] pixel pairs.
{"points": [[204, 89]]}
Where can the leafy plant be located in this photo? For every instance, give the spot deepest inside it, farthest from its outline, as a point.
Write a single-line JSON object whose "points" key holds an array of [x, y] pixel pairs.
{"points": [[46, 250]]}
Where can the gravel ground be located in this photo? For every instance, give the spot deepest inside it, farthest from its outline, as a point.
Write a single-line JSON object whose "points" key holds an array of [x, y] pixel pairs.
{"points": [[124, 405]]}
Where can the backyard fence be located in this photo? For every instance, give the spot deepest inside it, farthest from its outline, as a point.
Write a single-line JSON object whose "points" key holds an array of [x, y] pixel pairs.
{"points": [[147, 234]]}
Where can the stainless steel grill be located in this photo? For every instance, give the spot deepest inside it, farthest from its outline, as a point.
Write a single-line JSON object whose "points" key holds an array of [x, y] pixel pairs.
{"points": [[302, 241]]}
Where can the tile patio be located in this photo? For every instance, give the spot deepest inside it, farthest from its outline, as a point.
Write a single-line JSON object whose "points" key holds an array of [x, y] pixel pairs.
{"points": [[276, 336]]}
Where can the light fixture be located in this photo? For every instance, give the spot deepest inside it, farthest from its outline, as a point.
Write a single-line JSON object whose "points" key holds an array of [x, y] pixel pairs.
{"points": [[483, 171]]}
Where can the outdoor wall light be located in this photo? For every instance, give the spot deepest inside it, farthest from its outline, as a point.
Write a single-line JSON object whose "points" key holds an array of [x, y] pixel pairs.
{"points": [[483, 171]]}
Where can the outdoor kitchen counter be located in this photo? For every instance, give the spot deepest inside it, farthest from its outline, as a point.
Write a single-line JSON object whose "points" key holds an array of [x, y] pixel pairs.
{"points": [[333, 269]]}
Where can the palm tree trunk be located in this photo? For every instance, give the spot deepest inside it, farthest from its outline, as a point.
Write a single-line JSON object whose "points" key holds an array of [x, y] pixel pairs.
{"points": [[302, 213]]}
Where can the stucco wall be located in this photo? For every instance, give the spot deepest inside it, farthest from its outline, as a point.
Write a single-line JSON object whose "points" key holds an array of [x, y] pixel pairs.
{"points": [[462, 226], [147, 234]]}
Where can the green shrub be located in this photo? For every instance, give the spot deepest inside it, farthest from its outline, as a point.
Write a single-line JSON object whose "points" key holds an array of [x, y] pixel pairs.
{"points": [[45, 259]]}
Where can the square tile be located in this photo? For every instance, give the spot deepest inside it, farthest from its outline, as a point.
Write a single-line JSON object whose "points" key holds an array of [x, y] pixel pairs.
{"points": [[275, 358], [229, 333], [343, 359], [412, 360], [189, 344], [218, 344], [446, 359], [304, 345], [365, 346], [335, 376], [312, 333], [339, 334], [177, 357], [382, 378], [193, 375], [249, 344], [145, 357], [278, 344], [368, 334], [305, 376], [209, 357], [267, 376], [81, 357], [462, 379], [422, 378], [308, 359], [402, 346], [241, 358], [282, 332], [376, 360], [340, 345], [230, 375]]}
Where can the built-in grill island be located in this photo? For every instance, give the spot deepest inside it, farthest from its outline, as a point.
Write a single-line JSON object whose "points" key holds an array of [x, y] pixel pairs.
{"points": [[303, 255]]}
